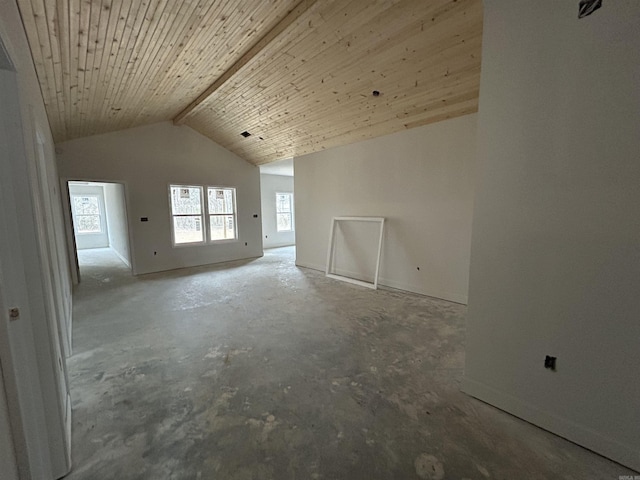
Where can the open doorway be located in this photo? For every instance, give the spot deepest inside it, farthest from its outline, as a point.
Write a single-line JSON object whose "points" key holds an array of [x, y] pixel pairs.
{"points": [[100, 227], [278, 218]]}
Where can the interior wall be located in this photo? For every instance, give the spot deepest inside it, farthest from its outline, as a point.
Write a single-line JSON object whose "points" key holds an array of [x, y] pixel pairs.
{"points": [[269, 186], [17, 339], [147, 160], [114, 199], [51, 236], [421, 180], [30, 346], [555, 254], [92, 240]]}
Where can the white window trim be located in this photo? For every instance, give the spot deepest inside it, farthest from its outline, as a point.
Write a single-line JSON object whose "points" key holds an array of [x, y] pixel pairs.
{"points": [[235, 215], [202, 217], [204, 198], [293, 226]]}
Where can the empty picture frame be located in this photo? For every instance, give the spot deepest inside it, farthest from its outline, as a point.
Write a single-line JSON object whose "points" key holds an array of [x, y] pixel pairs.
{"points": [[331, 251]]}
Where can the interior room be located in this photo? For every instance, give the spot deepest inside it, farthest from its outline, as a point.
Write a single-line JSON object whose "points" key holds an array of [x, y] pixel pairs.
{"points": [[99, 223], [319, 239]]}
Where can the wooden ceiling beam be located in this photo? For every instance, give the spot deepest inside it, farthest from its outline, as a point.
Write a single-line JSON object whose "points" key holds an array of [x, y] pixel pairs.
{"points": [[298, 74], [298, 11]]}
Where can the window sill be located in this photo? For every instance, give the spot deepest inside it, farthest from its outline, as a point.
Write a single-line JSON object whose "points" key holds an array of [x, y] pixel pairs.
{"points": [[190, 244], [218, 242], [205, 244]]}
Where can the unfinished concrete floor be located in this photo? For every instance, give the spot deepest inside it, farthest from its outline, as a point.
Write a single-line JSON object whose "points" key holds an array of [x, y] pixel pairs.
{"points": [[262, 370]]}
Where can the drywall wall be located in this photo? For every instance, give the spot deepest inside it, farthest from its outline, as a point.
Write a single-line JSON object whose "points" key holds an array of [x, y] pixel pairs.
{"points": [[555, 264], [91, 240], [115, 203], [33, 266], [269, 186], [147, 160], [420, 180]]}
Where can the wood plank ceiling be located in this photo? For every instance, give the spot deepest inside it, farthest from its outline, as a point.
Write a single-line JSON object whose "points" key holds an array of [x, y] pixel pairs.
{"points": [[298, 75]]}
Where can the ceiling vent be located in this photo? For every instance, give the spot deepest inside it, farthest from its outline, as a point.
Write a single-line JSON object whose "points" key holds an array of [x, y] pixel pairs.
{"points": [[245, 134]]}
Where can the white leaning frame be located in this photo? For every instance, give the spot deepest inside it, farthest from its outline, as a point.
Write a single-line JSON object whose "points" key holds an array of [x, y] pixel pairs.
{"points": [[330, 255]]}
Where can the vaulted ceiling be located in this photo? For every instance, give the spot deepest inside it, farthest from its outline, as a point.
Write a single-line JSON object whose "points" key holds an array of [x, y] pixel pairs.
{"points": [[298, 75]]}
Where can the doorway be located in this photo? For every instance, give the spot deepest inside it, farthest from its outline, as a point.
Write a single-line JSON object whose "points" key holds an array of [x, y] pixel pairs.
{"points": [[278, 210], [100, 226]]}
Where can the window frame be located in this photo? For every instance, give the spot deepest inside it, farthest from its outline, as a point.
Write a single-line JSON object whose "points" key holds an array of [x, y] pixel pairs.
{"points": [[201, 215], [234, 214], [290, 195], [205, 215]]}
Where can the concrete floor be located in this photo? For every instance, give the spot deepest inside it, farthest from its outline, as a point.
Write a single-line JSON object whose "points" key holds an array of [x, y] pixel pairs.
{"points": [[262, 370]]}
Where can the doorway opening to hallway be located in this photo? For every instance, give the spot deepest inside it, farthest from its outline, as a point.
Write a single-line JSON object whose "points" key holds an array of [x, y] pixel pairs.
{"points": [[100, 228]]}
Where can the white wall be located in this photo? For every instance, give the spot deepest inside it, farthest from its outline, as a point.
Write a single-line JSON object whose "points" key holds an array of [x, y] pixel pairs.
{"points": [[269, 186], [91, 240], [420, 180], [33, 267], [147, 159], [115, 203], [555, 263]]}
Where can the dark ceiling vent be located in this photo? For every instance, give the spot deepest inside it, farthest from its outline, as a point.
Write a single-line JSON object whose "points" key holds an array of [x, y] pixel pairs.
{"points": [[245, 134]]}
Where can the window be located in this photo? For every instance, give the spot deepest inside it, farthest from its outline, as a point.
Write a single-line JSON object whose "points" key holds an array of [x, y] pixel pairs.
{"points": [[87, 209], [186, 212], [189, 208], [222, 213], [284, 212]]}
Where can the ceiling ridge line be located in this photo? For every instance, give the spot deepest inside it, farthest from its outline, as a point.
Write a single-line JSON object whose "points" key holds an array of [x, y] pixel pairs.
{"points": [[294, 14]]}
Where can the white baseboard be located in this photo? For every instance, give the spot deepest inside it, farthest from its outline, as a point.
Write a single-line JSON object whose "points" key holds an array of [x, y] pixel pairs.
{"points": [[451, 297], [562, 427]]}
